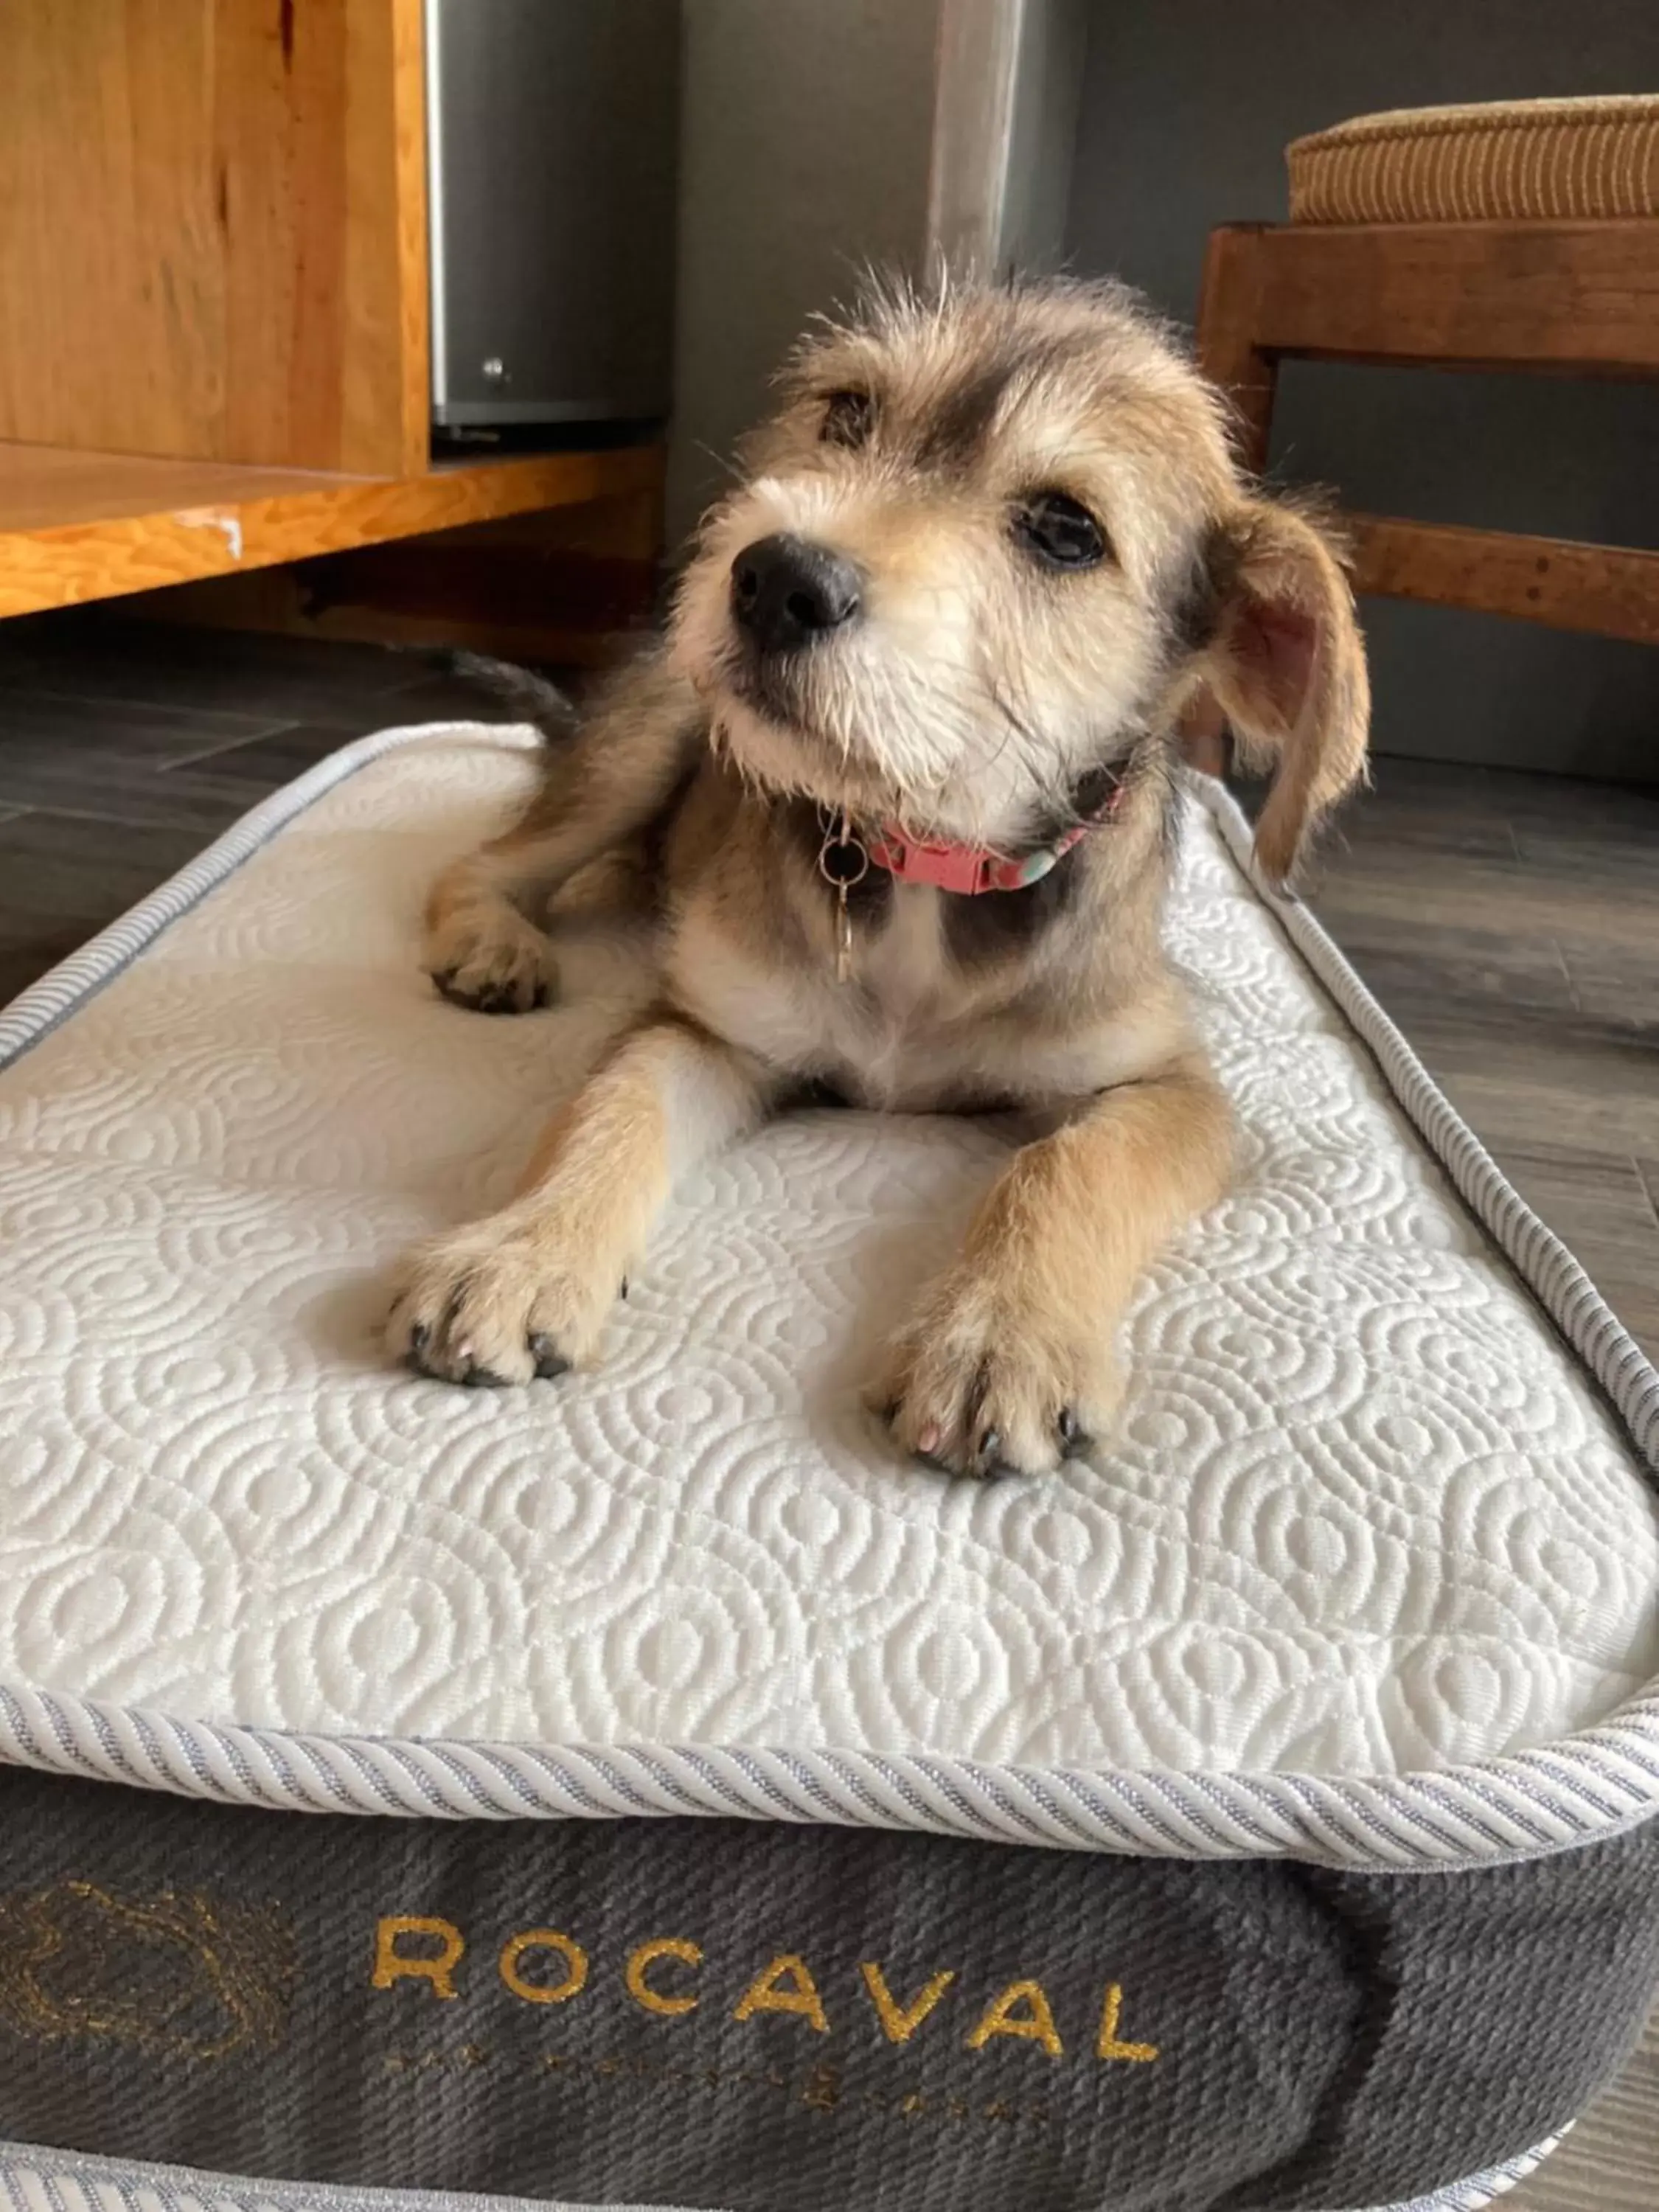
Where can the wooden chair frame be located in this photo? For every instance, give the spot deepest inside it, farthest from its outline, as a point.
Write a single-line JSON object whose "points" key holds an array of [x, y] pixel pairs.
{"points": [[1572, 299]]}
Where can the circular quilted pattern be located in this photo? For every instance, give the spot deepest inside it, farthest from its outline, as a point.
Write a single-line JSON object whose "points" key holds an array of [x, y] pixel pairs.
{"points": [[1363, 1513]]}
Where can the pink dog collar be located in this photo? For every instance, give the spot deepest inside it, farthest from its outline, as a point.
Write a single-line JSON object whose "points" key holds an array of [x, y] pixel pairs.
{"points": [[970, 869]]}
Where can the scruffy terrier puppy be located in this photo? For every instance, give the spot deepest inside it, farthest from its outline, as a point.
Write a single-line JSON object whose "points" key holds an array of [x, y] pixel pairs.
{"points": [[901, 790]]}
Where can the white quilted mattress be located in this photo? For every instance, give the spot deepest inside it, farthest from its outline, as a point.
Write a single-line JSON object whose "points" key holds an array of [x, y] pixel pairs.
{"points": [[1367, 1571]]}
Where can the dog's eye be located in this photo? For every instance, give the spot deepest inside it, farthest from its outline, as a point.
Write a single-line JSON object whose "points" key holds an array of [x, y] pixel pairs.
{"points": [[1060, 533], [848, 416]]}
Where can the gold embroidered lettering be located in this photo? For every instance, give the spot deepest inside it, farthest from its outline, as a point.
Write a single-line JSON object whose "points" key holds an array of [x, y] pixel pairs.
{"points": [[544, 1939], [763, 1995], [1037, 2024], [438, 1968], [1138, 2054], [665, 1947], [899, 2023]]}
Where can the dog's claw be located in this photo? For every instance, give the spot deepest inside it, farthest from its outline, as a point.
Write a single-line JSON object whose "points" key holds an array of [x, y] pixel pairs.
{"points": [[926, 1448], [1073, 1442], [483, 1378], [491, 998], [550, 1362], [988, 1462]]}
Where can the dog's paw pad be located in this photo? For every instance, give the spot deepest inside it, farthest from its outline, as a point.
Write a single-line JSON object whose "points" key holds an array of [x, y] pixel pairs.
{"points": [[495, 964]]}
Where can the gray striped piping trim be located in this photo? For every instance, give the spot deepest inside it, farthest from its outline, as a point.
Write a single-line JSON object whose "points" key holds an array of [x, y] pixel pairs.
{"points": [[1596, 1784], [37, 2180]]}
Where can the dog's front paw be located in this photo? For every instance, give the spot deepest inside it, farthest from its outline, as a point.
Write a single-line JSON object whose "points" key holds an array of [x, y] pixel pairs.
{"points": [[983, 1384], [495, 960], [497, 1303]]}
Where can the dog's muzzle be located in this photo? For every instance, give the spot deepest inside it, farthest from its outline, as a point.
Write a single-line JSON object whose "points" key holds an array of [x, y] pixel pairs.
{"points": [[786, 593]]}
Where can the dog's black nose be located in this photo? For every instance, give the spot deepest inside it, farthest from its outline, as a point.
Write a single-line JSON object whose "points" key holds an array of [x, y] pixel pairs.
{"points": [[787, 591]]}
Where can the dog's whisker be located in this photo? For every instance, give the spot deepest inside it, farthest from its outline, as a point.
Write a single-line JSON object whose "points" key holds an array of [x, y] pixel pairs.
{"points": [[724, 462]]}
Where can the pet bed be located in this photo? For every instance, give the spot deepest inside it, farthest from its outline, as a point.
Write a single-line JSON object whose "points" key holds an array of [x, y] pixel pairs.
{"points": [[639, 1790]]}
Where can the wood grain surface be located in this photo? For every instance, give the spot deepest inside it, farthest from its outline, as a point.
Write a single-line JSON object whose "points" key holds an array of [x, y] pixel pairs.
{"points": [[1579, 297], [1610, 2162], [1612, 590], [77, 526], [215, 239]]}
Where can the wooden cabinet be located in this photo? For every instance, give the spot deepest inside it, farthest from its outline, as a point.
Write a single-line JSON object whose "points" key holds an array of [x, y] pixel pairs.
{"points": [[214, 236], [212, 259]]}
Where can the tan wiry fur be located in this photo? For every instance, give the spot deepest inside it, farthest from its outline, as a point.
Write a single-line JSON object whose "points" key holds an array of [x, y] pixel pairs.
{"points": [[972, 697]]}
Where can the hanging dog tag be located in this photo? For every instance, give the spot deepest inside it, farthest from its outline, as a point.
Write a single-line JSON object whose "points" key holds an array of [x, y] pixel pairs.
{"points": [[843, 862]]}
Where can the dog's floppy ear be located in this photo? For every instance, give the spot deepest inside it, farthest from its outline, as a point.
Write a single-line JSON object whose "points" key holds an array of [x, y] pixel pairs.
{"points": [[1287, 665]]}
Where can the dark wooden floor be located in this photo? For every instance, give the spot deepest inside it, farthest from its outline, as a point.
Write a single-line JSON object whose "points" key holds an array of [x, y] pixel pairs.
{"points": [[1509, 923]]}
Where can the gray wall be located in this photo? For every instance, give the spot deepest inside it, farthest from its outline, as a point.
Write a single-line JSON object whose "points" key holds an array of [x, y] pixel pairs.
{"points": [[1053, 45], [1186, 108], [806, 130]]}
